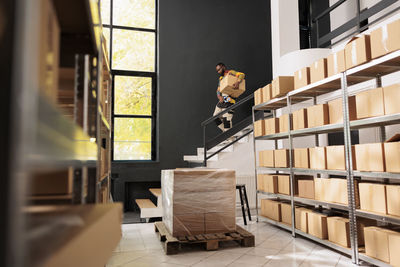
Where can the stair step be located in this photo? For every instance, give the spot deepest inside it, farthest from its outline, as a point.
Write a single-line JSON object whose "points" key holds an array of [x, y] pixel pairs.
{"points": [[148, 209], [155, 191], [200, 150], [199, 158], [145, 204]]}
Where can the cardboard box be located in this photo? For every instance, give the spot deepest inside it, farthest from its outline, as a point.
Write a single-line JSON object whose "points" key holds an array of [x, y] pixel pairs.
{"points": [[335, 158], [219, 222], [260, 182], [284, 184], [258, 97], [377, 242], [337, 191], [281, 158], [336, 111], [286, 211], [318, 70], [301, 158], [317, 225], [226, 86], [319, 189], [336, 63], [284, 123], [393, 199], [266, 93], [302, 78], [301, 215], [385, 39], [300, 119], [306, 189], [373, 197], [358, 51], [317, 115], [271, 184], [317, 158], [267, 158], [271, 126], [391, 94], [259, 128], [370, 103], [394, 248], [53, 183], [271, 209], [392, 156], [370, 157], [339, 231], [282, 85], [361, 224]]}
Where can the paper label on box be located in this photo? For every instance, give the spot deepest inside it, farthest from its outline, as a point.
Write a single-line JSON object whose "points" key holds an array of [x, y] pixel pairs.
{"points": [[385, 37], [354, 53], [335, 65]]}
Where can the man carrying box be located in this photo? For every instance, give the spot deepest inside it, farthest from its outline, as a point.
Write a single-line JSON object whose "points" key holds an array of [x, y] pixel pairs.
{"points": [[225, 100]]}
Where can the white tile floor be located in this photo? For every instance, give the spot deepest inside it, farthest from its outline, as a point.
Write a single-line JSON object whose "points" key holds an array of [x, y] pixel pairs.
{"points": [[274, 247]]}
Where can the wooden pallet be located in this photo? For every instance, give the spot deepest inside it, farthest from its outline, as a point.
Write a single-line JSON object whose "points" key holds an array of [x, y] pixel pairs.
{"points": [[211, 241]]}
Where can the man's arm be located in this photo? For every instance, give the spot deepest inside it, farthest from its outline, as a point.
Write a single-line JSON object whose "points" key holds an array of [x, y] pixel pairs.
{"points": [[219, 96], [239, 75]]}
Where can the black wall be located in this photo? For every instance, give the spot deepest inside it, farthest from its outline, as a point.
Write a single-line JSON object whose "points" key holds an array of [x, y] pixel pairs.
{"points": [[193, 37]]}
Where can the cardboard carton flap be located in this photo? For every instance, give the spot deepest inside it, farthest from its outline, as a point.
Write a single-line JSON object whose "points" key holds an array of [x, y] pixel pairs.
{"points": [[394, 138]]}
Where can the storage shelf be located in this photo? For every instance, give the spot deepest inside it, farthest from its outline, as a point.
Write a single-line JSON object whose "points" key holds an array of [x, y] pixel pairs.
{"points": [[376, 121], [104, 119], [324, 86], [382, 175], [262, 218], [280, 196], [285, 170], [378, 217], [103, 180], [273, 136], [321, 203], [373, 261], [312, 171]]}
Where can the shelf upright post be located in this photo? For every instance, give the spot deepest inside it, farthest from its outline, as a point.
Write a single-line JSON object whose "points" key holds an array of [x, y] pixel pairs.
{"points": [[349, 168], [382, 129], [255, 159], [292, 179]]}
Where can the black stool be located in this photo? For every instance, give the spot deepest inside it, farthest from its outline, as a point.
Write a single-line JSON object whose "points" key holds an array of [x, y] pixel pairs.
{"points": [[242, 193]]}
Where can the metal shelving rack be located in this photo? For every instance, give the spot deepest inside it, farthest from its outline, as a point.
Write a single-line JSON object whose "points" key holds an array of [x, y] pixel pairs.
{"points": [[374, 69]]}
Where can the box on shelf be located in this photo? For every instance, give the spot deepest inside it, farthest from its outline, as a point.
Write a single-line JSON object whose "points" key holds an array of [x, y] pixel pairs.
{"points": [[302, 78], [271, 126], [391, 94], [392, 154], [317, 225], [284, 123], [393, 199], [266, 93], [373, 197], [301, 158], [333, 190], [267, 158], [301, 215], [358, 51], [318, 70], [259, 128], [336, 63], [281, 158], [188, 208], [258, 97], [339, 231], [317, 115], [335, 158], [271, 209], [385, 39], [306, 188], [370, 103], [52, 183], [226, 86], [260, 182], [377, 242], [336, 111], [282, 85], [284, 184], [286, 211], [370, 157], [319, 189], [271, 184], [300, 119], [317, 158], [394, 248]]}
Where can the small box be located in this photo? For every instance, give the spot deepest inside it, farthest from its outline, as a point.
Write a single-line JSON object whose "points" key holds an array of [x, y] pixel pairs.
{"points": [[370, 157], [318, 70], [318, 115], [336, 63], [267, 158], [339, 231], [282, 85], [336, 111], [260, 182], [306, 189], [319, 189], [271, 184], [392, 156], [284, 123], [281, 158], [370, 103], [258, 97], [336, 191], [301, 215], [391, 95], [394, 248], [271, 209], [300, 119], [317, 158], [284, 184], [393, 199], [301, 158], [302, 78], [377, 242], [335, 158], [52, 183], [358, 51], [271, 126], [286, 211], [317, 225], [385, 39], [266, 93], [259, 128], [226, 86], [373, 197]]}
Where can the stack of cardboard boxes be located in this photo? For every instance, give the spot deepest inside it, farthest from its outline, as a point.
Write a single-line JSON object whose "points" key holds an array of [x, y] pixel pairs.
{"points": [[380, 198], [382, 244]]}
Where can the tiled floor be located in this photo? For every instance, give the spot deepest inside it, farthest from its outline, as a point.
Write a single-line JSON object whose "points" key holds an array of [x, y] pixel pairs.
{"points": [[274, 247]]}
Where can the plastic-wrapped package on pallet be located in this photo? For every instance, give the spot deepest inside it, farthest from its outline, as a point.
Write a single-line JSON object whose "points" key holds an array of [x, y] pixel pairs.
{"points": [[198, 201]]}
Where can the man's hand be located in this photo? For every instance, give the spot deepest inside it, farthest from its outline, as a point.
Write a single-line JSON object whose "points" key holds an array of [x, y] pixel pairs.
{"points": [[221, 99], [236, 84]]}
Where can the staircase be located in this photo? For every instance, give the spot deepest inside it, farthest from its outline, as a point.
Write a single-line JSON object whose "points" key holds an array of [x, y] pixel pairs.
{"points": [[148, 209]]}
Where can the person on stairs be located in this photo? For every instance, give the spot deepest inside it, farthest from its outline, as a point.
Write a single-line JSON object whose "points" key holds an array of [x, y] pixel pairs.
{"points": [[224, 122]]}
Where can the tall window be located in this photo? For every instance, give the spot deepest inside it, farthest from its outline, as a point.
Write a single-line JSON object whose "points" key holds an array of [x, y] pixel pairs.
{"points": [[130, 27]]}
